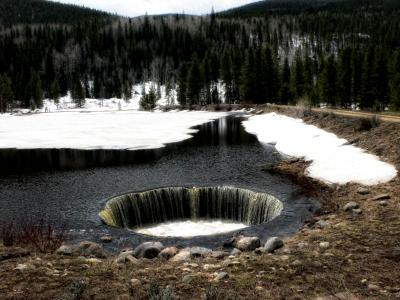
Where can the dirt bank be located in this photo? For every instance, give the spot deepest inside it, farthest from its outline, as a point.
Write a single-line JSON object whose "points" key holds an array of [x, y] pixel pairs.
{"points": [[337, 255]]}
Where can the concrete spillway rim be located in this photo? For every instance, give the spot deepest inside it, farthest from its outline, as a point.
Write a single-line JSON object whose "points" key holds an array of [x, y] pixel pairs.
{"points": [[105, 209]]}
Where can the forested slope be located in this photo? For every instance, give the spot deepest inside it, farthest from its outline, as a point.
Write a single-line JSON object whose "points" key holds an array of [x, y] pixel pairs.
{"points": [[41, 11], [338, 56]]}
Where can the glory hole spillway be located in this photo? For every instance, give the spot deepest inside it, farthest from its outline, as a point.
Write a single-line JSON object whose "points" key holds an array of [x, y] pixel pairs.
{"points": [[229, 204], [216, 176]]}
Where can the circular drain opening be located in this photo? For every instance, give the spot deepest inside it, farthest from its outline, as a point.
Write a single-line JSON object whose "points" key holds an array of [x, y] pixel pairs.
{"points": [[190, 211]]}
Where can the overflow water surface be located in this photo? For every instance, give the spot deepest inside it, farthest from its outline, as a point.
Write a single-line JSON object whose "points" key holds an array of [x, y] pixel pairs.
{"points": [[221, 154]]}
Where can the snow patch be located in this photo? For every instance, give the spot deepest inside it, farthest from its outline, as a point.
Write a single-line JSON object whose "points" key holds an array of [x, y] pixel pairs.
{"points": [[333, 160], [122, 130]]}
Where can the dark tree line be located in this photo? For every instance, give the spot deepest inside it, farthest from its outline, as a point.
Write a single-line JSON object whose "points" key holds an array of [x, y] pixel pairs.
{"points": [[337, 57]]}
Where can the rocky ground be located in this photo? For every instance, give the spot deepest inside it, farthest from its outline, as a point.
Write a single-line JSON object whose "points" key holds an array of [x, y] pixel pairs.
{"points": [[349, 250]]}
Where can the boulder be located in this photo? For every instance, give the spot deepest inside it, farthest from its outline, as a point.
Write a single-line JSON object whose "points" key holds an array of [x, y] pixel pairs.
{"points": [[189, 279], [273, 244], [90, 249], [324, 245], [183, 255], [168, 253], [148, 250], [135, 282], [126, 257], [247, 243], [363, 190], [235, 252], [67, 250], [350, 206], [322, 224], [199, 252], [221, 276], [219, 254]]}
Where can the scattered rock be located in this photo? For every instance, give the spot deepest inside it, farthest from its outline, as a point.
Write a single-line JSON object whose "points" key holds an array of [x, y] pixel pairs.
{"points": [[383, 203], [380, 197], [219, 254], [135, 282], [235, 252], [90, 249], [168, 253], [372, 287], [363, 190], [94, 261], [357, 211], [183, 255], [322, 224], [273, 244], [148, 250], [364, 281], [127, 258], [230, 263], [189, 278], [210, 267], [221, 276], [199, 251], [245, 243], [297, 263], [67, 250], [351, 206], [106, 239], [324, 245], [21, 267]]}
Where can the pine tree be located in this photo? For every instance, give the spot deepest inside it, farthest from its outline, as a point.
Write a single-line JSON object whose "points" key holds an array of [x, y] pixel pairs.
{"points": [[194, 81], [248, 79], [328, 82], [206, 78], [6, 93], [285, 92], [55, 92], [78, 94], [226, 75], [182, 85], [345, 74], [298, 78], [127, 91], [36, 91], [395, 93], [149, 101]]}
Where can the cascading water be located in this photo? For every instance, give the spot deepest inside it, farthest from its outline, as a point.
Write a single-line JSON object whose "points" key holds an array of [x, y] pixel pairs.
{"points": [[207, 210]]}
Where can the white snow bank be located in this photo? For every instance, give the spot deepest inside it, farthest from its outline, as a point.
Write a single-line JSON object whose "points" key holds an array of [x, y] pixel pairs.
{"points": [[190, 228], [332, 160], [100, 130]]}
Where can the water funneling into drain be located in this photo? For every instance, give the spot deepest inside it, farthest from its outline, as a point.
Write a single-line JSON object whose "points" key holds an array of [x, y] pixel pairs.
{"points": [[184, 211]]}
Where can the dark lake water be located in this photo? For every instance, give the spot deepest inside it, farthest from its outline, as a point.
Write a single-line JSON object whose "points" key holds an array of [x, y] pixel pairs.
{"points": [[221, 153]]}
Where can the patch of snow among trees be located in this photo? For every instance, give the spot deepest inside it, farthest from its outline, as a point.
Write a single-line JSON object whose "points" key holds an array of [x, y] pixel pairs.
{"points": [[67, 103], [129, 130], [332, 159]]}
